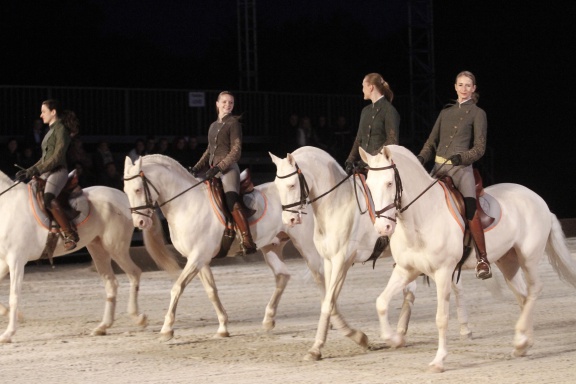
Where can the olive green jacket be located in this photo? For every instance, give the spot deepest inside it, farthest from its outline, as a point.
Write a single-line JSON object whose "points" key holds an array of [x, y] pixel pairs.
{"points": [[54, 147], [224, 144]]}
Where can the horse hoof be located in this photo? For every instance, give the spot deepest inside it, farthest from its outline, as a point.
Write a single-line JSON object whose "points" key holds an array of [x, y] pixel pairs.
{"points": [[521, 346], [268, 325], [312, 356], [466, 336], [142, 320], [166, 336], [397, 341], [433, 368], [221, 335], [5, 340], [360, 338], [98, 332]]}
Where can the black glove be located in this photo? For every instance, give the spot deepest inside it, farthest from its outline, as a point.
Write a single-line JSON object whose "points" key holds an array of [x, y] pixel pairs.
{"points": [[456, 160], [349, 167], [421, 159], [212, 172], [26, 173], [194, 171]]}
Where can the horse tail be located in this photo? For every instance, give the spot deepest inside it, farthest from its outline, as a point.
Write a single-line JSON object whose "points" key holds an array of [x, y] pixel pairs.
{"points": [[156, 247], [559, 255]]}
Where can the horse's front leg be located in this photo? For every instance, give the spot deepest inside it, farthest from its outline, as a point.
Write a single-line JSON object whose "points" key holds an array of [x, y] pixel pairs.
{"points": [[282, 277], [443, 280], [461, 310], [396, 284], [187, 274], [406, 311], [207, 279], [16, 277]]}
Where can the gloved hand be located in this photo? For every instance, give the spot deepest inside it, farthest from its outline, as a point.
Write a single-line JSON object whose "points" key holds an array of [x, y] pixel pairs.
{"points": [[194, 171], [420, 159], [349, 167], [212, 172], [26, 173], [456, 160]]}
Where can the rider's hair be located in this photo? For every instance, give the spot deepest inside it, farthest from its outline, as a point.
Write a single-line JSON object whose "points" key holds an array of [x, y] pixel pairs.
{"points": [[67, 117]]}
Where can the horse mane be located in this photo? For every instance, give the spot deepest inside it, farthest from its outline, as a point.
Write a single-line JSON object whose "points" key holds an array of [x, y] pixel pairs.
{"points": [[167, 162], [318, 154]]}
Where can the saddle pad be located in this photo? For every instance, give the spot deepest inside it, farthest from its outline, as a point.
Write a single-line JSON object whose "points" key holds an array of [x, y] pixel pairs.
{"points": [[79, 203], [489, 205], [255, 200]]}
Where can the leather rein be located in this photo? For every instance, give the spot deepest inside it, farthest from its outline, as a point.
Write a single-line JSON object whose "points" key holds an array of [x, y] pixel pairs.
{"points": [[305, 192], [147, 193]]}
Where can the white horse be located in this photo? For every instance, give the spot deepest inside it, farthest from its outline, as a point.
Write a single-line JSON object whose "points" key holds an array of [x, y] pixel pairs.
{"points": [[427, 238], [196, 231], [342, 235], [106, 233]]}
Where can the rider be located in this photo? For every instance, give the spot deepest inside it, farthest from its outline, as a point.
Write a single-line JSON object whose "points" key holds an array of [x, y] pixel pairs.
{"points": [[458, 139], [52, 165], [222, 155], [379, 121]]}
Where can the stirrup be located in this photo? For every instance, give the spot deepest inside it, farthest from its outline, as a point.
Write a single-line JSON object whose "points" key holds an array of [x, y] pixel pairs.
{"points": [[482, 273], [70, 240]]}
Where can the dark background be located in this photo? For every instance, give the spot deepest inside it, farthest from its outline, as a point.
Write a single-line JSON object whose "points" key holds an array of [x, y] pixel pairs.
{"points": [[521, 54]]}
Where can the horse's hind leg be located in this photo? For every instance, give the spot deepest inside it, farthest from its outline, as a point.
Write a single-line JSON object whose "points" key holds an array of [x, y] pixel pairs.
{"points": [[207, 279], [282, 276], [133, 272], [102, 262], [461, 310], [3, 272]]}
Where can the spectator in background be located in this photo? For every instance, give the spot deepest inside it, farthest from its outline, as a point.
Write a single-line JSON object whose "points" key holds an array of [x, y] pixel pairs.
{"points": [[195, 151], [307, 134], [324, 131], [10, 156], [138, 150], [342, 138], [162, 146], [289, 135], [84, 179], [179, 151], [78, 154], [33, 137], [110, 177], [102, 156], [28, 159], [150, 145]]}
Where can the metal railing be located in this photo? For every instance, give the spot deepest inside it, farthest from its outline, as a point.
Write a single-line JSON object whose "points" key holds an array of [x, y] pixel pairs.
{"points": [[126, 113]]}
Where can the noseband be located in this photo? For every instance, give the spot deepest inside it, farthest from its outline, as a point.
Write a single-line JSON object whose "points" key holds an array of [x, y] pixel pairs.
{"points": [[149, 203], [398, 196]]}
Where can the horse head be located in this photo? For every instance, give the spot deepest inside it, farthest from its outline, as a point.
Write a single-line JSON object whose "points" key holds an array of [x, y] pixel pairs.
{"points": [[141, 193], [385, 187], [292, 189]]}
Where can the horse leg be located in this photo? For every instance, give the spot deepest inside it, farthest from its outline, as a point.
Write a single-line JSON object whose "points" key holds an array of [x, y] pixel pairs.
{"points": [[406, 311], [461, 310], [443, 280], [523, 338], [207, 279], [510, 268], [16, 277], [282, 276], [102, 262], [133, 272], [396, 283], [3, 272], [188, 272]]}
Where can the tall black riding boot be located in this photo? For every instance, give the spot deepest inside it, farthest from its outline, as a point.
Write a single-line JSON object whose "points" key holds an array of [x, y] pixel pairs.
{"points": [[483, 267], [242, 222], [68, 233]]}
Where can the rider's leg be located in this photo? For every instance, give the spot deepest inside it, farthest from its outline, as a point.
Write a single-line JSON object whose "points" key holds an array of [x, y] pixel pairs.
{"points": [[483, 266], [70, 236], [233, 202]]}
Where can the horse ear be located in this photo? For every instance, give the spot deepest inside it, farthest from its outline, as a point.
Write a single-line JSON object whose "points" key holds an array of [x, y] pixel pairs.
{"points": [[387, 153], [290, 158], [363, 155], [274, 158], [127, 164]]}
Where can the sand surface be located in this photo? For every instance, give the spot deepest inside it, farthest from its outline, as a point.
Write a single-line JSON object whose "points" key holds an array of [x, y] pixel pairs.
{"points": [[62, 306]]}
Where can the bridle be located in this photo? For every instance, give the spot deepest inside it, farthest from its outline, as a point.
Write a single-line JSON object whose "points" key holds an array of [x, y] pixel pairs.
{"points": [[149, 204], [397, 203], [305, 191]]}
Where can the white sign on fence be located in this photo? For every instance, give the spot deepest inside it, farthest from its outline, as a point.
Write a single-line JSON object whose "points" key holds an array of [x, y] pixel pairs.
{"points": [[197, 99]]}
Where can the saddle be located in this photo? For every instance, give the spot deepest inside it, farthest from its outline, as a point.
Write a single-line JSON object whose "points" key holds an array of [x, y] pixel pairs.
{"points": [[217, 192], [459, 199]]}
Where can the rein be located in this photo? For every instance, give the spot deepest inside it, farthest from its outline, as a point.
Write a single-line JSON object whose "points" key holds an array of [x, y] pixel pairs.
{"points": [[305, 191], [9, 188], [149, 204]]}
